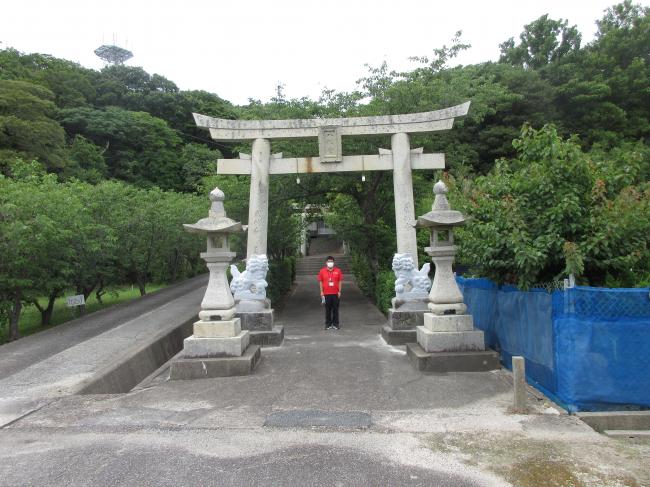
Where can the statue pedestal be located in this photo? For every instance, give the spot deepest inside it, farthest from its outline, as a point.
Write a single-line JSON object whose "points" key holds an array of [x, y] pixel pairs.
{"points": [[216, 349], [257, 317], [405, 315], [412, 297], [450, 343]]}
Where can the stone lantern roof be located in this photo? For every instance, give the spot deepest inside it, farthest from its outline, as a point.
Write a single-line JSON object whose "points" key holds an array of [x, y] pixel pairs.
{"points": [[217, 221], [441, 214]]}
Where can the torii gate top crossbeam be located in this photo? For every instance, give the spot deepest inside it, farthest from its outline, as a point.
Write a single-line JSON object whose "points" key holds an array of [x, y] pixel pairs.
{"points": [[236, 130]]}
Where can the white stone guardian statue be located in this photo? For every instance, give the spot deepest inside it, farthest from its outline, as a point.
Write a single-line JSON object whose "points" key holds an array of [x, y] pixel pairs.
{"points": [[250, 284], [410, 283]]}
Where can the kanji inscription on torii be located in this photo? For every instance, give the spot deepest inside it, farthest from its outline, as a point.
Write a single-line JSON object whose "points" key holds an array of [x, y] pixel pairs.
{"points": [[401, 159], [329, 144]]}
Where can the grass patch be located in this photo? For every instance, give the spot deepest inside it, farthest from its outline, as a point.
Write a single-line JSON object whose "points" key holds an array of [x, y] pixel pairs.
{"points": [[30, 318], [530, 462], [536, 471]]}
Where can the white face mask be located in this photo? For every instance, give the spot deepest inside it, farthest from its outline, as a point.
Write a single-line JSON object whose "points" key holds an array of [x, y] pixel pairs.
{"points": [[330, 265]]}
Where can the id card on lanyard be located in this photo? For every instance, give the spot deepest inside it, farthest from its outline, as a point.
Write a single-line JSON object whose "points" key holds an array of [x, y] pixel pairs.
{"points": [[331, 281]]}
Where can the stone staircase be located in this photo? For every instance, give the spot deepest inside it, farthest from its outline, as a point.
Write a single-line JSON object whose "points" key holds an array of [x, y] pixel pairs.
{"points": [[310, 265], [325, 245]]}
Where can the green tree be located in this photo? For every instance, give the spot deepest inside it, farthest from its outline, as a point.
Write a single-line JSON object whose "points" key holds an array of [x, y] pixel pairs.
{"points": [[542, 42], [600, 88], [198, 161], [86, 161], [38, 231], [27, 128], [552, 210], [151, 244], [139, 148], [71, 84]]}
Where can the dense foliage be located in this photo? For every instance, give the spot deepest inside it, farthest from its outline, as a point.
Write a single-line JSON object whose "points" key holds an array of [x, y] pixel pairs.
{"points": [[56, 237], [554, 210], [116, 163], [138, 123]]}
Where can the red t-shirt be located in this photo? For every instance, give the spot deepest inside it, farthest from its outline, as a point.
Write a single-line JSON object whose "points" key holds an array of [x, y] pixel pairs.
{"points": [[330, 280]]}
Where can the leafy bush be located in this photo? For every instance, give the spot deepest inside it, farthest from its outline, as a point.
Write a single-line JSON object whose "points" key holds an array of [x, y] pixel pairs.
{"points": [[363, 273], [554, 210], [292, 262], [280, 278], [385, 290]]}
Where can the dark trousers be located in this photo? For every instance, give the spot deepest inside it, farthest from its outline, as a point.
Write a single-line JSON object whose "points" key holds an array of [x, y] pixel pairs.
{"points": [[331, 309]]}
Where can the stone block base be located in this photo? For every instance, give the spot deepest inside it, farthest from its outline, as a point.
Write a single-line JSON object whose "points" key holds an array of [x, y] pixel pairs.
{"points": [[213, 329], [256, 320], [195, 347], [476, 361], [436, 323], [450, 341], [405, 319], [397, 337], [265, 338], [204, 368], [447, 309]]}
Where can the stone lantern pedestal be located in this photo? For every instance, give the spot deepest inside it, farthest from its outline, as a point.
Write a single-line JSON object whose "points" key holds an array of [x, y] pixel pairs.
{"points": [[218, 346], [447, 341]]}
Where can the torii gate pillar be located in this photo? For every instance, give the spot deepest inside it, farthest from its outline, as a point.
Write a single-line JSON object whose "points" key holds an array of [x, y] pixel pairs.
{"points": [[258, 209], [403, 189]]}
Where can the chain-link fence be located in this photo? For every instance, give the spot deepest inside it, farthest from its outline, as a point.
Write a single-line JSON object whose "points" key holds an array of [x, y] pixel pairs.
{"points": [[588, 348]]}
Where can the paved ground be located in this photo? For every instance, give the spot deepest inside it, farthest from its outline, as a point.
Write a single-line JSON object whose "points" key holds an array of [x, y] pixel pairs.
{"points": [[18, 355], [103, 340], [327, 408]]}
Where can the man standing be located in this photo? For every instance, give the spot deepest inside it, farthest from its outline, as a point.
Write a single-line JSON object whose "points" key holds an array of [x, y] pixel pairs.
{"points": [[329, 280]]}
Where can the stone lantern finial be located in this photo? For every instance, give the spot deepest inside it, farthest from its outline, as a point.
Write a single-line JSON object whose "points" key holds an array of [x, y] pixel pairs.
{"points": [[216, 208], [217, 195], [440, 202], [440, 188]]}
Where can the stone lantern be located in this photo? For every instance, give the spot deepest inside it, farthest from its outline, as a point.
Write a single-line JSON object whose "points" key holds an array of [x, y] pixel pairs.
{"points": [[218, 346], [445, 297], [448, 340]]}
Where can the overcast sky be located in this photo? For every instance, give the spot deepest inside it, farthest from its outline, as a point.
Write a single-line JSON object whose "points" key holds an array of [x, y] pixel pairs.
{"points": [[244, 49]]}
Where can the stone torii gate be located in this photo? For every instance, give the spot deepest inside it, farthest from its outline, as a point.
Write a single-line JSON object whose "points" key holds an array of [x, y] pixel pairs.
{"points": [[260, 164]]}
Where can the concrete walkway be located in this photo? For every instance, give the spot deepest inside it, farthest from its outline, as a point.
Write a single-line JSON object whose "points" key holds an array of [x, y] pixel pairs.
{"points": [[63, 360], [328, 408], [20, 354]]}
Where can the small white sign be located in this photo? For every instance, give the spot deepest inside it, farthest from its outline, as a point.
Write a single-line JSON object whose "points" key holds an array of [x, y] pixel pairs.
{"points": [[77, 300]]}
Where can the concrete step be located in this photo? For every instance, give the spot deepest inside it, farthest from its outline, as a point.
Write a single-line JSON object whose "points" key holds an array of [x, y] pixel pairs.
{"points": [[319, 266], [325, 245], [617, 420], [628, 433], [311, 265], [322, 262], [346, 272]]}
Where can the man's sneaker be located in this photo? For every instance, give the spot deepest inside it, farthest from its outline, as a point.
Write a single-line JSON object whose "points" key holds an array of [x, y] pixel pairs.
{"points": [[336, 327], [328, 327]]}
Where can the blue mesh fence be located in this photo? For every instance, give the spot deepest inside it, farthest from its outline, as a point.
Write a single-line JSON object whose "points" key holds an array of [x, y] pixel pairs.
{"points": [[587, 348], [602, 345]]}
